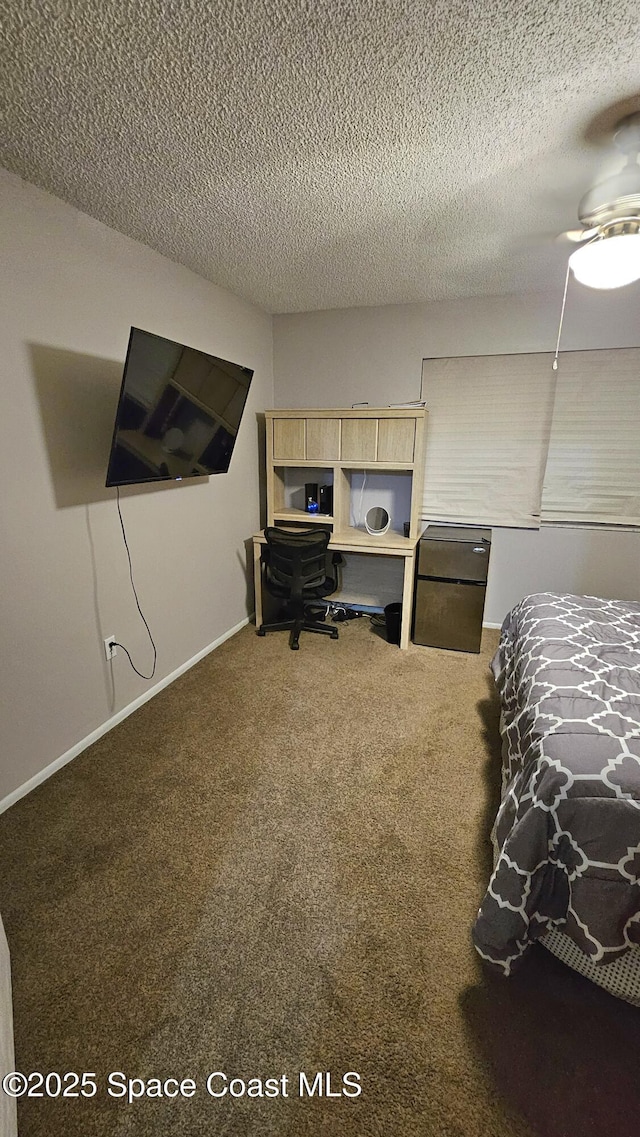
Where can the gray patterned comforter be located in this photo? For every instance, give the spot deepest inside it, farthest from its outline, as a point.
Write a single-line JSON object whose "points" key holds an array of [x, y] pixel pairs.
{"points": [[567, 834]]}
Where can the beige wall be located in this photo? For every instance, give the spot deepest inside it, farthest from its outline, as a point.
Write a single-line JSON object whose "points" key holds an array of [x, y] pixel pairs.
{"points": [[8, 1113], [71, 289], [336, 358]]}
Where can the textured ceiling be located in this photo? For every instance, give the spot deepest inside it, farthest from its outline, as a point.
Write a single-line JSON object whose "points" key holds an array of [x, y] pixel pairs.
{"points": [[324, 153]]}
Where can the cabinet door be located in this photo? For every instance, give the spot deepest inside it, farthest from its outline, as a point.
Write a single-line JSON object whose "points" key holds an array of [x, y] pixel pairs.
{"points": [[448, 615], [288, 438], [453, 560], [323, 439], [359, 439], [396, 439]]}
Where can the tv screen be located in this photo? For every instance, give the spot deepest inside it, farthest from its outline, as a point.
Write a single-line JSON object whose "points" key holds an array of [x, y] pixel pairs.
{"points": [[178, 414]]}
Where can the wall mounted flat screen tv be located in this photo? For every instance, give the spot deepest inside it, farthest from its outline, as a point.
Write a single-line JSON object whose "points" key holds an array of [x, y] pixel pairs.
{"points": [[178, 414]]}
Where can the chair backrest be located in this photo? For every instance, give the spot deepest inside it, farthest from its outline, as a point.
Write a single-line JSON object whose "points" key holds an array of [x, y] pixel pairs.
{"points": [[297, 557]]}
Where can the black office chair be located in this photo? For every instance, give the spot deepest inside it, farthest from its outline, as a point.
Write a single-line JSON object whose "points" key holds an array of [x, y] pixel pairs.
{"points": [[296, 571]]}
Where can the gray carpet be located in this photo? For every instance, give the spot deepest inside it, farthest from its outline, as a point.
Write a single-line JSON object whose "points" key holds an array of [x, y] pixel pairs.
{"points": [[273, 867]]}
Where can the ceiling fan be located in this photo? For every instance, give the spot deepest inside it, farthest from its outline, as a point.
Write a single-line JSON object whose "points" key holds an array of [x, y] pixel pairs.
{"points": [[609, 253]]}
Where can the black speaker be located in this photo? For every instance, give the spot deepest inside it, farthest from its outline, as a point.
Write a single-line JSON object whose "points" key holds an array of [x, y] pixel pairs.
{"points": [[310, 493], [325, 500]]}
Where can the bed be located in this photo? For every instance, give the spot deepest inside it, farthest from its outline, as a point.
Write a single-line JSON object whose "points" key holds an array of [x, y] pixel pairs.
{"points": [[567, 833]]}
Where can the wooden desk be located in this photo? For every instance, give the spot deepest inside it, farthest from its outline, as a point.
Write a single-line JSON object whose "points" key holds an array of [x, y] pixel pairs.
{"points": [[332, 446], [357, 541]]}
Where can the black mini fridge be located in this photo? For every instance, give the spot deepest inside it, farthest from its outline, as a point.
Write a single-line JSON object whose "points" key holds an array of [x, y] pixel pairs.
{"points": [[451, 580]]}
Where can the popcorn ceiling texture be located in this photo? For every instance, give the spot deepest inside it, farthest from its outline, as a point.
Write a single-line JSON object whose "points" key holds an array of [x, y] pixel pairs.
{"points": [[322, 153]]}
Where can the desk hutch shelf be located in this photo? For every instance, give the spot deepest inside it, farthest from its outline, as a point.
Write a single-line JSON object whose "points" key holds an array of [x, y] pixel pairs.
{"points": [[328, 447], [336, 443]]}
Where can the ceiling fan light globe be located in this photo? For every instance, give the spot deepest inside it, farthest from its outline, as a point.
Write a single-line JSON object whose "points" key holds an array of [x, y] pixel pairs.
{"points": [[610, 262]]}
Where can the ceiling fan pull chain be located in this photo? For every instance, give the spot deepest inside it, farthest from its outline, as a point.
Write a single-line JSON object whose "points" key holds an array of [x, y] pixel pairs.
{"points": [[564, 301]]}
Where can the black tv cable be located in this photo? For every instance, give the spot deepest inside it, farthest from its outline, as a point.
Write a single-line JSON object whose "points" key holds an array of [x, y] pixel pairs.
{"points": [[116, 642]]}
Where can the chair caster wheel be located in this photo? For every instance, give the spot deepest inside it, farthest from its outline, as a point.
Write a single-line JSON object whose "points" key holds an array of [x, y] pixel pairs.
{"points": [[260, 632], [334, 635], [295, 647]]}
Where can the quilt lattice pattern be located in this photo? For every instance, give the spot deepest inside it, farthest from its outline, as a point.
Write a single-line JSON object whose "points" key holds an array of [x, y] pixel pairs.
{"points": [[567, 832]]}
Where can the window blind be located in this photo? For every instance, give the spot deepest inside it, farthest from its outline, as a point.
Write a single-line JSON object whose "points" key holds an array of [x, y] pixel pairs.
{"points": [[593, 464], [488, 425]]}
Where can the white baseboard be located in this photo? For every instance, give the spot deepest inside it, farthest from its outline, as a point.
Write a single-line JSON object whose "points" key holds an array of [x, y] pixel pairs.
{"points": [[485, 624], [69, 755]]}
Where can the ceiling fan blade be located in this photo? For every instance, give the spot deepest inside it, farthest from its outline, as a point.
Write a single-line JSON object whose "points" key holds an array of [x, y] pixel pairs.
{"points": [[575, 236]]}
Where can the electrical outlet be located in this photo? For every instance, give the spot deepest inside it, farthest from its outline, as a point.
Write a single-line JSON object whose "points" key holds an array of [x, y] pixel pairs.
{"points": [[110, 647]]}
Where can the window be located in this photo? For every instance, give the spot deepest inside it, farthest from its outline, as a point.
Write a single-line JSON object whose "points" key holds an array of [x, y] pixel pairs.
{"points": [[488, 425], [593, 466], [511, 442]]}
